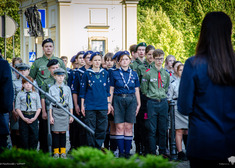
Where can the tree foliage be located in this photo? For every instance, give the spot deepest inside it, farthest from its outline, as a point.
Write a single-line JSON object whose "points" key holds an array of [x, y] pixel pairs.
{"points": [[11, 8], [186, 17]]}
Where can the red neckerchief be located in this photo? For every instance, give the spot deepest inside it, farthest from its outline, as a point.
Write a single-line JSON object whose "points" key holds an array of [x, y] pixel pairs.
{"points": [[159, 79]]}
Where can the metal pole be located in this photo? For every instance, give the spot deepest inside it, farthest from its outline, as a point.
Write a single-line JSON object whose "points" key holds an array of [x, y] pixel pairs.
{"points": [[51, 99], [5, 38], [173, 143], [13, 43]]}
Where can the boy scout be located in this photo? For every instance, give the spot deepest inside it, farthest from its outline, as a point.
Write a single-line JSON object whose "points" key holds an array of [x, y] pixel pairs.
{"points": [[140, 49], [139, 129], [28, 106], [134, 54], [39, 70], [43, 129], [154, 85]]}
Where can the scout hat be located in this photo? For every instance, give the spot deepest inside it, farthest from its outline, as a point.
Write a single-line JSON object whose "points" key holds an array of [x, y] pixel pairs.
{"points": [[86, 53], [94, 54], [73, 59], [116, 55], [59, 71], [80, 52], [52, 62], [141, 44], [48, 40], [22, 66], [123, 53]]}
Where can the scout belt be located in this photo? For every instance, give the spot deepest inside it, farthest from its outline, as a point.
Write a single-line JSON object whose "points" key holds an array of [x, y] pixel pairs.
{"points": [[125, 95], [28, 112], [59, 106], [157, 100]]}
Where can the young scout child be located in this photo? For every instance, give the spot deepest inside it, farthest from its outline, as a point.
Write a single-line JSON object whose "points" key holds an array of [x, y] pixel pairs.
{"points": [[58, 118], [43, 126], [86, 58], [124, 90], [15, 61], [17, 86], [134, 54], [65, 60], [140, 49], [139, 129], [155, 85], [170, 59], [95, 103], [28, 106]]}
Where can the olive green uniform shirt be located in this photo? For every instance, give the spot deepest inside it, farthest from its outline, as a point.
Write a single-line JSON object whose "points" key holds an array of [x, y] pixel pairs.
{"points": [[39, 70], [141, 69], [149, 84], [135, 64]]}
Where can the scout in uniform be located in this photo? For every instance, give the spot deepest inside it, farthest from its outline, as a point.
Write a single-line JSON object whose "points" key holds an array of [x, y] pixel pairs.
{"points": [[17, 86], [155, 85], [95, 103], [124, 90], [65, 60], [39, 70], [134, 54], [86, 58], [140, 49], [139, 128], [170, 59], [58, 118], [43, 127], [15, 61], [28, 106]]}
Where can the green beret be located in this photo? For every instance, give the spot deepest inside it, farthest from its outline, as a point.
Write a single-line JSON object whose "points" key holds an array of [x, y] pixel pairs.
{"points": [[141, 44]]}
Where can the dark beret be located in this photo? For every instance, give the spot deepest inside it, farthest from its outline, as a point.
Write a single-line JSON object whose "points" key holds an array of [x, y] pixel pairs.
{"points": [[123, 53], [141, 44], [86, 53], [52, 62], [48, 40], [73, 59], [116, 55], [80, 52], [94, 54]]}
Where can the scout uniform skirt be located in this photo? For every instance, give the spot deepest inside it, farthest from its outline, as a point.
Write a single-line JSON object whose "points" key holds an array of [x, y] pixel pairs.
{"points": [[61, 120]]}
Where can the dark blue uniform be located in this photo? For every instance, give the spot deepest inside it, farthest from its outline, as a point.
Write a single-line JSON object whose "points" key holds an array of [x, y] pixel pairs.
{"points": [[6, 100], [95, 91]]}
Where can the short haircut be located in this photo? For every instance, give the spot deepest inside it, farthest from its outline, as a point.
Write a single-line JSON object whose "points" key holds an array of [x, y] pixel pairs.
{"points": [[148, 48], [16, 59], [132, 48], [178, 68], [64, 57], [24, 81], [158, 53], [108, 56]]}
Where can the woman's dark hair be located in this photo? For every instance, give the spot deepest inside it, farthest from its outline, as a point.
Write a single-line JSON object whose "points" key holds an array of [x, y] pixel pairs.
{"points": [[148, 48], [175, 62], [216, 46], [108, 56]]}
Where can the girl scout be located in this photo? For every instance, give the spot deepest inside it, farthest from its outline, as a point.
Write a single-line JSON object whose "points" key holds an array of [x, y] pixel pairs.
{"points": [[124, 91], [95, 103], [28, 106], [58, 118]]}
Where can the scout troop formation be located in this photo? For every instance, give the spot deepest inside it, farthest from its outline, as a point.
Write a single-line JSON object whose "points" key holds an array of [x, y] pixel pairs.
{"points": [[111, 94]]}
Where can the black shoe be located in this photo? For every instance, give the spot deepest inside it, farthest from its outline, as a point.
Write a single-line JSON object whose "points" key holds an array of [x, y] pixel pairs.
{"points": [[182, 156], [165, 155], [127, 156], [122, 155]]}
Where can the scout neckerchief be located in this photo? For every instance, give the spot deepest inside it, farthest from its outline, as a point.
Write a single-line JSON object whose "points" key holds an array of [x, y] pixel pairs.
{"points": [[159, 79], [61, 95], [125, 83], [28, 101]]}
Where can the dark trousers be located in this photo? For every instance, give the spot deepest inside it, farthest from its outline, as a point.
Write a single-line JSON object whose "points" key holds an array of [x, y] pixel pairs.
{"points": [[43, 134], [195, 163], [97, 120], [157, 120], [77, 133], [139, 128], [28, 133]]}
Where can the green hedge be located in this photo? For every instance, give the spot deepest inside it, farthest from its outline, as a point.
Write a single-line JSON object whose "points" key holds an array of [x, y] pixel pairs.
{"points": [[84, 157]]}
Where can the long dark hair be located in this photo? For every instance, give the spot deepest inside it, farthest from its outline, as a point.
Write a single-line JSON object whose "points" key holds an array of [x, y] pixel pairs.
{"points": [[216, 46]]}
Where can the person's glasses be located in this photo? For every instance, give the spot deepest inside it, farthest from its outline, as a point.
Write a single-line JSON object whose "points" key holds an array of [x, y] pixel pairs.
{"points": [[159, 59]]}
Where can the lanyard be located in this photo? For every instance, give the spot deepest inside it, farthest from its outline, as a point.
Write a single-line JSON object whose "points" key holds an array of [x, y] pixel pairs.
{"points": [[125, 83]]}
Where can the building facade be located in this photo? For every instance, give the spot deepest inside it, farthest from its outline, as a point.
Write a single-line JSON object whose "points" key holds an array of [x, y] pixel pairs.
{"points": [[75, 25]]}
